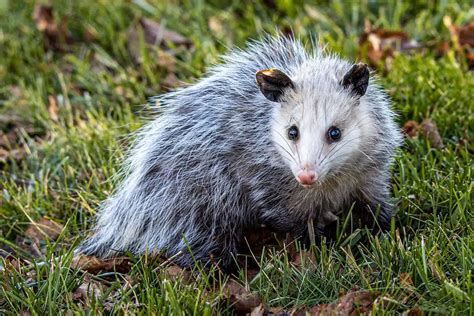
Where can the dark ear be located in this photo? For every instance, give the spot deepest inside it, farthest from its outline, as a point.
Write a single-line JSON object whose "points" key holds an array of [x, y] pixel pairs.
{"points": [[273, 82], [357, 79]]}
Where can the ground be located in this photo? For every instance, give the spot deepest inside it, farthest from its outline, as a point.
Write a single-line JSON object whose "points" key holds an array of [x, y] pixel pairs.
{"points": [[75, 84]]}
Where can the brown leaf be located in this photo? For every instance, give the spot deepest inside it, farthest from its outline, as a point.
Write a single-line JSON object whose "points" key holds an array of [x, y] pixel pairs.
{"points": [[170, 81], [15, 154], [414, 312], [258, 311], [216, 25], [299, 311], [242, 300], [12, 131], [53, 108], [56, 35], [406, 280], [276, 311], [154, 34], [430, 130], [411, 128], [380, 45], [352, 303], [304, 258], [466, 34], [95, 265], [43, 17], [157, 34], [176, 273], [44, 229], [462, 38], [88, 289], [167, 61]]}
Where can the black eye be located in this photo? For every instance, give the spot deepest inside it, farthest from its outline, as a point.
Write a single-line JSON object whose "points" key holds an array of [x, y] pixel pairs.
{"points": [[334, 133], [293, 132]]}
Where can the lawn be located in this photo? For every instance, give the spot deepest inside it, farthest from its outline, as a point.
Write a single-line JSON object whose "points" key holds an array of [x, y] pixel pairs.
{"points": [[75, 85]]}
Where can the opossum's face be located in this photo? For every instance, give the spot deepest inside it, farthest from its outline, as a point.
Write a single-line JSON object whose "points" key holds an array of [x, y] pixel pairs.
{"points": [[320, 123]]}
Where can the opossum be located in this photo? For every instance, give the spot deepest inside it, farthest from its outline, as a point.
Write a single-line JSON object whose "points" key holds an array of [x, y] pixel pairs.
{"points": [[276, 135]]}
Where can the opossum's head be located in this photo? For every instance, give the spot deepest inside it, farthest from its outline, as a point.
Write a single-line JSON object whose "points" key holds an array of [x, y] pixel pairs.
{"points": [[321, 118]]}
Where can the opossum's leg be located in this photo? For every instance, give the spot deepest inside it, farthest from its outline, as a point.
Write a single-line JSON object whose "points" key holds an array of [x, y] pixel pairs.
{"points": [[281, 220], [374, 214], [219, 249]]}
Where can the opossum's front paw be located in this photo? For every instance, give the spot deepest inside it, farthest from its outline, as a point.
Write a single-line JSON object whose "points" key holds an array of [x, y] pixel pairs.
{"points": [[376, 216]]}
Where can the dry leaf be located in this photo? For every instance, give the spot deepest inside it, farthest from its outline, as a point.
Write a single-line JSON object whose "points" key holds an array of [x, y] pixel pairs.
{"points": [[88, 289], [466, 34], [304, 258], [462, 38], [174, 273], [95, 265], [414, 312], [411, 128], [351, 303], [154, 34], [44, 229], [157, 34], [430, 129], [258, 311], [276, 311], [380, 45], [170, 81], [166, 61], [241, 299], [299, 311], [53, 108], [406, 280], [56, 35], [216, 25]]}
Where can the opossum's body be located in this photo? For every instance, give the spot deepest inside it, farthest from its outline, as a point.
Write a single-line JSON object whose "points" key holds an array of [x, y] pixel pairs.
{"points": [[218, 159]]}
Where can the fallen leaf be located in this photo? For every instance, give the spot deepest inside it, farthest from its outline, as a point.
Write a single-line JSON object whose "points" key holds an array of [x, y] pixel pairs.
{"points": [[95, 265], [466, 34], [15, 154], [88, 289], [411, 128], [166, 61], [462, 38], [170, 81], [351, 303], [53, 108], [299, 311], [258, 311], [154, 34], [276, 311], [90, 33], [216, 25], [304, 258], [406, 280], [175, 273], [430, 130], [45, 228], [56, 35], [380, 45], [241, 299], [414, 312]]}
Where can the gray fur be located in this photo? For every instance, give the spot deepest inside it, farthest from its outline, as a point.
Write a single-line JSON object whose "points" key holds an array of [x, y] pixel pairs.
{"points": [[214, 162]]}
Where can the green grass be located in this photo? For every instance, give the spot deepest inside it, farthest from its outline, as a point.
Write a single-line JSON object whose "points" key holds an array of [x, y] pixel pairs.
{"points": [[101, 96]]}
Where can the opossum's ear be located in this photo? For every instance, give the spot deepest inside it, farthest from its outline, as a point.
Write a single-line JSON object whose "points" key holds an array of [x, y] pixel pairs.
{"points": [[273, 83], [357, 79]]}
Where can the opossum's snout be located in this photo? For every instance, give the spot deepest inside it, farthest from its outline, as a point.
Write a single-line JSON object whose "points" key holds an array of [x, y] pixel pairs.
{"points": [[307, 176]]}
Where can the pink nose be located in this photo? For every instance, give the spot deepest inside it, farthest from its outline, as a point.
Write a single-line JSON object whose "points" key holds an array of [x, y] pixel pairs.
{"points": [[307, 177]]}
